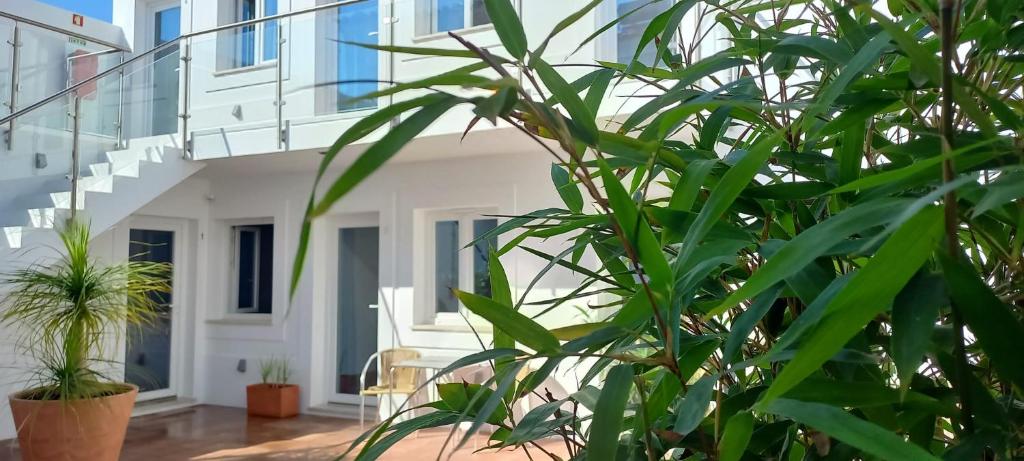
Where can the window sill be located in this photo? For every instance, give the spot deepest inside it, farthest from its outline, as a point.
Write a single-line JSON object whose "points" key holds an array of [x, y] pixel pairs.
{"points": [[242, 70], [464, 31], [244, 319], [449, 328]]}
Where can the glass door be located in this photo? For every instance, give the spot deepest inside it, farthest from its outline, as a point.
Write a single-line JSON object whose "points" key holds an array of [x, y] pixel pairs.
{"points": [[166, 27], [356, 319], [148, 351]]}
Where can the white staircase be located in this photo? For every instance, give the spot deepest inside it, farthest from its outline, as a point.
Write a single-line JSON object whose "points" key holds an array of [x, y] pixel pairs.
{"points": [[108, 192]]}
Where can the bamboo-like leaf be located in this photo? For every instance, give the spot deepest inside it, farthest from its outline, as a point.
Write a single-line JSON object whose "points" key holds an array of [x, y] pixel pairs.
{"points": [[869, 292], [694, 406], [508, 26], [851, 430], [519, 326], [567, 189], [611, 404], [569, 98], [737, 434], [381, 151], [913, 321]]}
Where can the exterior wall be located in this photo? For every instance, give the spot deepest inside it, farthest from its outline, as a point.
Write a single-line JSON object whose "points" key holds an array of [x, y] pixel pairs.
{"points": [[397, 195]]}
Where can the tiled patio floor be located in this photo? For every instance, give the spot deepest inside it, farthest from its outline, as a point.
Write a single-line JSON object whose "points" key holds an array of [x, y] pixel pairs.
{"points": [[221, 433]]}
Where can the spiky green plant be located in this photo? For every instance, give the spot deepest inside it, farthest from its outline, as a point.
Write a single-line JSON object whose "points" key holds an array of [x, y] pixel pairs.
{"points": [[65, 311], [275, 371]]}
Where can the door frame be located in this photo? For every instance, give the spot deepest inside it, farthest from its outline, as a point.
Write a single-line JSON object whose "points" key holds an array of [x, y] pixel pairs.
{"points": [[179, 296], [348, 221], [148, 40]]}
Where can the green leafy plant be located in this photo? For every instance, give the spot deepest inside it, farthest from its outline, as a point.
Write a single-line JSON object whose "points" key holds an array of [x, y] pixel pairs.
{"points": [[65, 311], [275, 371], [811, 237]]}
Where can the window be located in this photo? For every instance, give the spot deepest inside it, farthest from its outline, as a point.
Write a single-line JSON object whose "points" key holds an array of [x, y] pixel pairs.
{"points": [[453, 264], [256, 43], [434, 16], [253, 268], [630, 30]]}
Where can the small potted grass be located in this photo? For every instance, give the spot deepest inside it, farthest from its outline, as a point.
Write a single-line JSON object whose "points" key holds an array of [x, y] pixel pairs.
{"points": [[65, 313], [273, 397]]}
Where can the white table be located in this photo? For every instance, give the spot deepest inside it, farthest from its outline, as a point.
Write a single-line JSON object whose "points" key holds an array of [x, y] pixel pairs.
{"points": [[426, 363]]}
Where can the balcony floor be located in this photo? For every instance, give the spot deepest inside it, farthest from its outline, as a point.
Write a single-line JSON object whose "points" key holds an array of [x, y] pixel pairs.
{"points": [[221, 433]]}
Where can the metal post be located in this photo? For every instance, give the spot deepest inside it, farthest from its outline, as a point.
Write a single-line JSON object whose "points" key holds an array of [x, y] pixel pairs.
{"points": [[186, 60], [75, 123], [281, 136], [15, 83]]}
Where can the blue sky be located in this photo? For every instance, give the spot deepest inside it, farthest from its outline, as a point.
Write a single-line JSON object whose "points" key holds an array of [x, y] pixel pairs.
{"points": [[99, 9]]}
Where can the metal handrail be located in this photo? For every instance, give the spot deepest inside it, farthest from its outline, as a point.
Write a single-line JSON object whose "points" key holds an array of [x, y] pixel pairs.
{"points": [[165, 45], [59, 30]]}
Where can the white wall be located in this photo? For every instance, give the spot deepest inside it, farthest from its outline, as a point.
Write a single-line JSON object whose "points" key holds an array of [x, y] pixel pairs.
{"points": [[510, 183]]}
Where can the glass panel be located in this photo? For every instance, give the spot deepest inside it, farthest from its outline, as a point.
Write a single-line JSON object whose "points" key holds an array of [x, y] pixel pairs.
{"points": [[358, 263], [450, 15], [357, 66], [6, 60], [446, 265], [481, 255], [630, 30], [269, 31], [148, 350], [165, 72]]}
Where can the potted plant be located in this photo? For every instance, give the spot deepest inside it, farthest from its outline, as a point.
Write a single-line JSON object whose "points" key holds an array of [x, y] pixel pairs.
{"points": [[64, 312], [273, 396]]}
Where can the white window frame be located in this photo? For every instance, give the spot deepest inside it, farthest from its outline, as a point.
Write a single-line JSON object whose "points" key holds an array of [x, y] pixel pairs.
{"points": [[258, 38], [236, 252], [465, 218], [426, 18]]}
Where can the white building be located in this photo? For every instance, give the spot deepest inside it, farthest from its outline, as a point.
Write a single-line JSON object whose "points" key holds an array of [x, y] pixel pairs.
{"points": [[222, 190]]}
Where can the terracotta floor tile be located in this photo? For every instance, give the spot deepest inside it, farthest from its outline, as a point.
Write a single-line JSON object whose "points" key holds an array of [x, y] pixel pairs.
{"points": [[222, 433]]}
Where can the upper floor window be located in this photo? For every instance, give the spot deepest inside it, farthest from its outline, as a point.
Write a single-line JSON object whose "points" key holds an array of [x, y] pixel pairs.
{"points": [[256, 43], [434, 16]]}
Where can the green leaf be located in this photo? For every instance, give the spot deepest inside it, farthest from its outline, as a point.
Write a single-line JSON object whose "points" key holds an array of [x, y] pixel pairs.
{"points": [[913, 321], [745, 322], [607, 422], [688, 187], [567, 189], [382, 151], [737, 434], [508, 26], [572, 332], [501, 293], [722, 197], [519, 326], [403, 429], [993, 323], [569, 98], [851, 430], [816, 47], [869, 291], [694, 406]]}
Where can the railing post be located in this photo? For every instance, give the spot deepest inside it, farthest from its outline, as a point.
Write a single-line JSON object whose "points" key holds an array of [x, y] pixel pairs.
{"points": [[281, 135], [15, 83], [186, 60], [75, 124]]}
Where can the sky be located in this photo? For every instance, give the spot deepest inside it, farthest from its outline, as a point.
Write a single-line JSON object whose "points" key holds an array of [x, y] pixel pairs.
{"points": [[99, 9]]}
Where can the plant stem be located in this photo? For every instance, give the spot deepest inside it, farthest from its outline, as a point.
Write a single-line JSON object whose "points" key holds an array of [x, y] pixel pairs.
{"points": [[951, 213]]}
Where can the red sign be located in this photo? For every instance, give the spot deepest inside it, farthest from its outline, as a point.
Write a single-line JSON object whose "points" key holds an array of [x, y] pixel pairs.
{"points": [[78, 20]]}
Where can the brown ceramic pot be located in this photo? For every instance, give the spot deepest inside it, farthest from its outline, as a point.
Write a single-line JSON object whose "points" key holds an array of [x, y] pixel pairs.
{"points": [[87, 429], [272, 400]]}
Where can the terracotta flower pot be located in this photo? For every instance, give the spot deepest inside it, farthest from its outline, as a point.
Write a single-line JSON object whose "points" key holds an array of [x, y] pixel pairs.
{"points": [[272, 400], [87, 429]]}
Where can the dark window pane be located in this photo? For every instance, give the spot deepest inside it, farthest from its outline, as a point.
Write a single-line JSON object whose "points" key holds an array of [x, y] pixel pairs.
{"points": [[265, 271], [446, 265], [246, 269], [245, 53], [481, 250], [480, 15]]}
